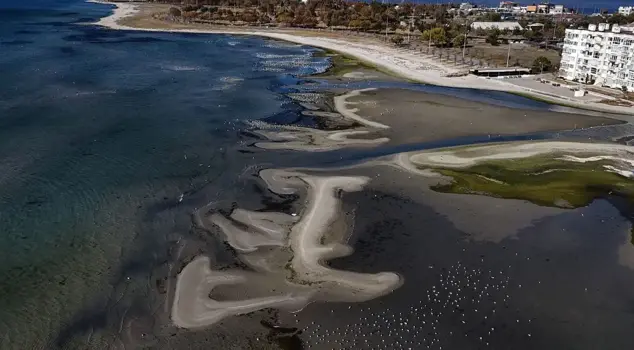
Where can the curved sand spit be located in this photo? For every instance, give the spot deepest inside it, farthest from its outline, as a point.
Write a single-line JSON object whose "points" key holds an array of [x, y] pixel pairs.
{"points": [[462, 157], [341, 104], [193, 308], [287, 252], [309, 139]]}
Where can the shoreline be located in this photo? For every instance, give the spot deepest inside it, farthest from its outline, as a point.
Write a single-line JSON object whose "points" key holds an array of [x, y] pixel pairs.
{"points": [[405, 65]]}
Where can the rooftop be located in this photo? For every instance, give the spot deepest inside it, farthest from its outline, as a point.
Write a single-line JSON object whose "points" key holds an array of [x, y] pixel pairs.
{"points": [[499, 25]]}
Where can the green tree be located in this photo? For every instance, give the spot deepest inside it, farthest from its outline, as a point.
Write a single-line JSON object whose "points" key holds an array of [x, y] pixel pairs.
{"points": [[458, 41], [493, 37], [541, 64], [438, 36], [174, 12], [397, 39], [493, 17]]}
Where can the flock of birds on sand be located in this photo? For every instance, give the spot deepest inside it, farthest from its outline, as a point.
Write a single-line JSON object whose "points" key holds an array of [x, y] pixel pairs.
{"points": [[464, 302]]}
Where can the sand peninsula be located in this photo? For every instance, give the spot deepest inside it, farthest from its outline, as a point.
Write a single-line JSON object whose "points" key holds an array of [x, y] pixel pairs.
{"points": [[286, 254], [547, 173], [463, 157], [408, 65]]}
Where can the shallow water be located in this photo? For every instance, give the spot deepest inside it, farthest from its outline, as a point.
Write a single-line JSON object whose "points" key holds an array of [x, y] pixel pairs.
{"points": [[110, 140]]}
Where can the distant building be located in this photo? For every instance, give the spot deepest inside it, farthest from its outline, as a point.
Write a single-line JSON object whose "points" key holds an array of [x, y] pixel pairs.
{"points": [[498, 25], [628, 27], [599, 55], [543, 8], [508, 5], [557, 10], [466, 6], [531, 9], [626, 10], [535, 26]]}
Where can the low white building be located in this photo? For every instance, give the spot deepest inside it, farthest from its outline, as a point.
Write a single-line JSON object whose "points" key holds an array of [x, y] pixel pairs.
{"points": [[626, 10], [557, 10], [498, 25], [599, 55], [466, 6]]}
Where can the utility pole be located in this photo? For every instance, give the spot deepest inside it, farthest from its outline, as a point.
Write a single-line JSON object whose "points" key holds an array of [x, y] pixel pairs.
{"points": [[464, 44], [387, 24], [508, 54]]}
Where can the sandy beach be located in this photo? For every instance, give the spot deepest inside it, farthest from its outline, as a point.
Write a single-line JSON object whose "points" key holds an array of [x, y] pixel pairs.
{"points": [[407, 64]]}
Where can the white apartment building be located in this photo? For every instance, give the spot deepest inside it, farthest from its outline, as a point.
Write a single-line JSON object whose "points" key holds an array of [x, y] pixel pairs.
{"points": [[599, 55], [626, 10]]}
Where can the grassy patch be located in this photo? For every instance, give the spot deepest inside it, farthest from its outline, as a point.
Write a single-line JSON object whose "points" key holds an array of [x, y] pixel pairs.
{"points": [[341, 64], [541, 180]]}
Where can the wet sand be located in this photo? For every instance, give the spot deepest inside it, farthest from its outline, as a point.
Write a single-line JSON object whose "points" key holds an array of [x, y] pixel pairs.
{"points": [[415, 116], [555, 280], [373, 117]]}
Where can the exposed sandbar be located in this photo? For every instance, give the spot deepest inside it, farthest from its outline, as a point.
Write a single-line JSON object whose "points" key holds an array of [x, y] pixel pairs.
{"points": [[316, 140], [193, 308], [287, 253], [462, 157]]}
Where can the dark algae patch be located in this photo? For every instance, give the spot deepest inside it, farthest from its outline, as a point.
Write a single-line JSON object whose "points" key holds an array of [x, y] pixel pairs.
{"points": [[341, 64], [542, 180]]}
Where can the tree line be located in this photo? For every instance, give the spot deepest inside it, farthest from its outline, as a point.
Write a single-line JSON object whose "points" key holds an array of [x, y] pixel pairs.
{"points": [[372, 16], [437, 25]]}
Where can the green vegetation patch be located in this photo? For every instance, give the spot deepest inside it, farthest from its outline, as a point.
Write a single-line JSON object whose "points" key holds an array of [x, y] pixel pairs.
{"points": [[542, 180], [341, 64]]}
